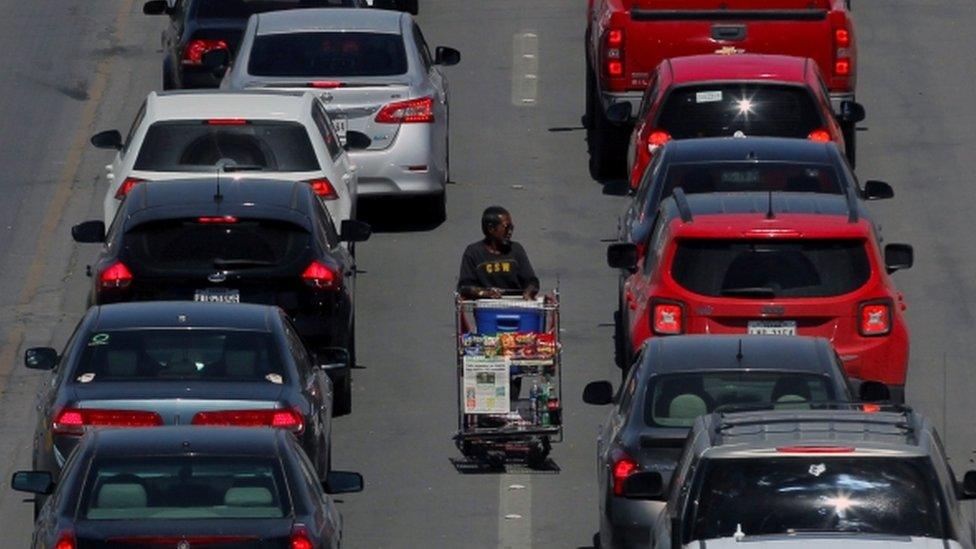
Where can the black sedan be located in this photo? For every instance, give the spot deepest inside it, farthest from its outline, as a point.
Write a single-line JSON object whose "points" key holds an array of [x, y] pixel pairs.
{"points": [[220, 240], [188, 487]]}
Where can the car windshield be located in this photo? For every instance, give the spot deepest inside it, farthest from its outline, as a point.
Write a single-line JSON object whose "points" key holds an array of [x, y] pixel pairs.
{"points": [[718, 110], [763, 269], [242, 9], [184, 354], [675, 400], [202, 145], [328, 54], [794, 495], [720, 177], [184, 488], [208, 244]]}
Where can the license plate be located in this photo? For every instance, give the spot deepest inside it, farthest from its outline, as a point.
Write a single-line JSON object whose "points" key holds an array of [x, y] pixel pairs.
{"points": [[339, 123], [772, 327], [217, 295]]}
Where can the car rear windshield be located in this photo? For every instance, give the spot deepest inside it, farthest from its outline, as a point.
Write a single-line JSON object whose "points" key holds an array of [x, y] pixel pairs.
{"points": [[675, 400], [750, 176], [184, 354], [722, 110], [201, 145], [335, 54], [797, 495], [184, 488], [197, 245], [242, 9], [768, 269]]}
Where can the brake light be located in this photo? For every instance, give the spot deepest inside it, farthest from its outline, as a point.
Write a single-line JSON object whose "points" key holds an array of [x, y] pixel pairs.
{"points": [[217, 219], [623, 466], [667, 318], [276, 418], [842, 38], [74, 421], [66, 540], [116, 276], [321, 277], [126, 187], [615, 68], [614, 52], [819, 135], [299, 537], [322, 187], [815, 449], [657, 139], [871, 408], [874, 319], [227, 122], [193, 54], [325, 84], [412, 111], [773, 233], [842, 67]]}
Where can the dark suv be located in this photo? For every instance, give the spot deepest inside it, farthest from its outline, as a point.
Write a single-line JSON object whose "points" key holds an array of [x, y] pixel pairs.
{"points": [[844, 477], [219, 240]]}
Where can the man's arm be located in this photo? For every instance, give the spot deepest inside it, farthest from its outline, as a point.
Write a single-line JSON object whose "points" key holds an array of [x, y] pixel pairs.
{"points": [[526, 274]]}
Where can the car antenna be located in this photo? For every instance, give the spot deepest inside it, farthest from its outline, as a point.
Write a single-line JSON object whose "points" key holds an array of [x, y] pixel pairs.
{"points": [[738, 355], [769, 210]]}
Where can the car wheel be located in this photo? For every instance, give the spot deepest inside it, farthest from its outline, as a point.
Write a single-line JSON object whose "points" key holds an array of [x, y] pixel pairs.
{"points": [[436, 207], [607, 143], [168, 83], [850, 141], [590, 93]]}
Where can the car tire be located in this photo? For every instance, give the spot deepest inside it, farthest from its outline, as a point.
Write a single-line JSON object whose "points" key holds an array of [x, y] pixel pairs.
{"points": [[342, 402], [607, 143], [168, 83], [590, 94], [850, 141], [436, 207]]}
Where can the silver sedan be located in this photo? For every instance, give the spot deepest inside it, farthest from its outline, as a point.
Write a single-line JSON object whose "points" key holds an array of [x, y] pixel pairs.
{"points": [[377, 79]]}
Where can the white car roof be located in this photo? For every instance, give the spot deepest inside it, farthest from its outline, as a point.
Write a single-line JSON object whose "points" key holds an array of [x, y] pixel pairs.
{"points": [[260, 105], [329, 19]]}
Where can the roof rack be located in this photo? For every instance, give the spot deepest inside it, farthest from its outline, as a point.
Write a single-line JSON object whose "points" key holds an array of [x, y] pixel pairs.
{"points": [[682, 201], [903, 423], [869, 407]]}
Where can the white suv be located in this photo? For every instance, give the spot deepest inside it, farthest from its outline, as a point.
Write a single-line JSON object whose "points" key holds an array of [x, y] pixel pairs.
{"points": [[180, 135]]}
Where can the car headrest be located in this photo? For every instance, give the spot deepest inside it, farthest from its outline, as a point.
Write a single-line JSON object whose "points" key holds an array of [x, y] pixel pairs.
{"points": [[248, 496], [121, 495], [687, 406]]}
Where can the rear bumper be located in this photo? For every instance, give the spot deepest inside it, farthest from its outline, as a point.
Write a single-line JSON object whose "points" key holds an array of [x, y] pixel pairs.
{"points": [[411, 165], [628, 523], [196, 77], [632, 97], [837, 97]]}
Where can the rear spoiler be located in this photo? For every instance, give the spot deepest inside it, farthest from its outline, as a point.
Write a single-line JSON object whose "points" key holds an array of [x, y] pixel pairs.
{"points": [[643, 14]]}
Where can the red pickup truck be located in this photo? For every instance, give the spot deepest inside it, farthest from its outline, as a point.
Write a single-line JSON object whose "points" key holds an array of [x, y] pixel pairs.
{"points": [[627, 39]]}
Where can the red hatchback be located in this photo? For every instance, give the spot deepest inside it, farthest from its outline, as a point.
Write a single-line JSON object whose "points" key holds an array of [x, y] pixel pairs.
{"points": [[769, 263], [734, 95]]}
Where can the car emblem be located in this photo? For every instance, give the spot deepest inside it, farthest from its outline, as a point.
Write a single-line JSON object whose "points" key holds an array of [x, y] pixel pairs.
{"points": [[729, 50], [773, 310], [183, 544], [219, 276]]}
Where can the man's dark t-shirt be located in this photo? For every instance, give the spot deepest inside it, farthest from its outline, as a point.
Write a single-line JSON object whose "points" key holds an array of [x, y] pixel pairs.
{"points": [[506, 271]]}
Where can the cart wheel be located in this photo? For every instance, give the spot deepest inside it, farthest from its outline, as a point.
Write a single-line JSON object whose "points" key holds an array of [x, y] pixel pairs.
{"points": [[495, 459], [538, 454]]}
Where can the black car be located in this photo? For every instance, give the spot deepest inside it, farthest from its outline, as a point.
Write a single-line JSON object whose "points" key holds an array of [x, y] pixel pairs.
{"points": [[188, 487], [198, 26], [220, 240], [675, 380]]}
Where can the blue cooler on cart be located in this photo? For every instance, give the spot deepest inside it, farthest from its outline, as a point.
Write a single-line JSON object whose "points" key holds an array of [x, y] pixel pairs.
{"points": [[497, 317]]}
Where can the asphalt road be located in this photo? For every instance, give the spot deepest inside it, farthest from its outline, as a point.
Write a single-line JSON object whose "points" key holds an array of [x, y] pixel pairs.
{"points": [[71, 67]]}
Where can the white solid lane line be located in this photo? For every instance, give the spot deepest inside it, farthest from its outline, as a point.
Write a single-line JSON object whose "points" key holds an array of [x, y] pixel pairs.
{"points": [[525, 69]]}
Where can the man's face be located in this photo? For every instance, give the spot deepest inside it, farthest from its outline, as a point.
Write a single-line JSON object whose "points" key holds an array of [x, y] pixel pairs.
{"points": [[503, 231]]}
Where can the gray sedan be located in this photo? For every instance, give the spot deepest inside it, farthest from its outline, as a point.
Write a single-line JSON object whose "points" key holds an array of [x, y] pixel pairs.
{"points": [[378, 81]]}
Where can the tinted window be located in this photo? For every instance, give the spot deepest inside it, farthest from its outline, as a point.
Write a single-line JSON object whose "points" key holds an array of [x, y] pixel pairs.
{"points": [[196, 146], [722, 110], [675, 400], [184, 487], [189, 245], [242, 9], [328, 134], [761, 269], [316, 54], [792, 495], [740, 177], [199, 354]]}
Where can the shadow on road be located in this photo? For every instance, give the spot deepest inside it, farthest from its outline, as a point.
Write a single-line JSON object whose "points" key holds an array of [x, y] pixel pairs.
{"points": [[398, 215]]}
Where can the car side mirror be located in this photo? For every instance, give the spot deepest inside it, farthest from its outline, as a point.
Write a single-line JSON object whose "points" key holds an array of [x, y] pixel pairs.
{"points": [[342, 482], [34, 482], [155, 7], [598, 393], [877, 190], [109, 139], [644, 485], [89, 231], [969, 485], [356, 141], [873, 391], [354, 231], [851, 112], [446, 57], [216, 61], [622, 255], [619, 113], [40, 358], [332, 358], [898, 256]]}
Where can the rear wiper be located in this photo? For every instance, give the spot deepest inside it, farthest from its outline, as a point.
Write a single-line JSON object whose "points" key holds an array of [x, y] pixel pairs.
{"points": [[219, 262], [758, 291]]}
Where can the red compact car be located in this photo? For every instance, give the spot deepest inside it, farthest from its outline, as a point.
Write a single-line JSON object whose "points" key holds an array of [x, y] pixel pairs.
{"points": [[734, 95], [769, 263]]}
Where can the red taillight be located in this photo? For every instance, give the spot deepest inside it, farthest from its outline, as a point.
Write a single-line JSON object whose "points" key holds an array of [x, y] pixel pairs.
{"points": [[116, 276], [217, 219], [412, 111], [615, 68], [299, 537], [842, 38], [321, 276], [657, 139], [227, 122], [613, 53], [874, 319], [126, 186], [193, 54], [622, 466], [325, 84], [277, 418], [842, 67], [819, 135], [871, 408], [66, 541], [74, 421], [667, 318], [323, 187], [815, 449], [615, 38]]}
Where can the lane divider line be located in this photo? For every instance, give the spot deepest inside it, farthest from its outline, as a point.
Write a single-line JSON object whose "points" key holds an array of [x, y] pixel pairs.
{"points": [[525, 69]]}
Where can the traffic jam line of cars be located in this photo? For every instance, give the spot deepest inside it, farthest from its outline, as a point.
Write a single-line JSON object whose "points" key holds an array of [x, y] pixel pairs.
{"points": [[761, 340]]}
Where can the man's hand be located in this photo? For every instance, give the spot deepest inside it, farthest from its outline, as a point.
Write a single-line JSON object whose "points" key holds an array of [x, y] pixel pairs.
{"points": [[494, 293], [530, 293]]}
